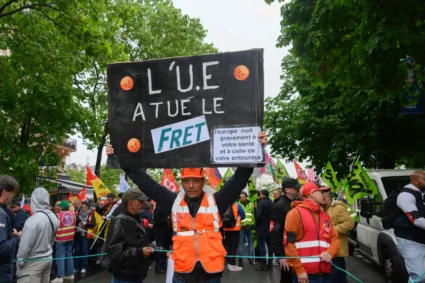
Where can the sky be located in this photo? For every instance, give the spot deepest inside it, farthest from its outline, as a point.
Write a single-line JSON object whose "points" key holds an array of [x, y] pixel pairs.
{"points": [[232, 26]]}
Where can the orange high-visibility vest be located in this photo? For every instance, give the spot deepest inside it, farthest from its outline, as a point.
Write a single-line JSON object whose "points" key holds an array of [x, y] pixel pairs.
{"points": [[199, 238], [237, 227], [316, 240], [67, 223]]}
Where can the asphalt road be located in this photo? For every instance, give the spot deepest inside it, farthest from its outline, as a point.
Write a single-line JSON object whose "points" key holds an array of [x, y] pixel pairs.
{"points": [[362, 268]]}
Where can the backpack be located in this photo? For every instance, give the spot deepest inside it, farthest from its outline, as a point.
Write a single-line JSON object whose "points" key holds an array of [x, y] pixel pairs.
{"points": [[390, 208], [228, 218]]}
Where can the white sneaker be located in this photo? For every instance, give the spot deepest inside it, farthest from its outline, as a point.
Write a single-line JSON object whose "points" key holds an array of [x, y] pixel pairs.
{"points": [[234, 267], [71, 277], [83, 271], [57, 280], [98, 261]]}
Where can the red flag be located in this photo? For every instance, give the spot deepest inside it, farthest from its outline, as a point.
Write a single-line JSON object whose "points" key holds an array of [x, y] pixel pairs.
{"points": [[82, 195], [70, 196], [168, 180], [214, 177], [302, 176], [90, 175]]}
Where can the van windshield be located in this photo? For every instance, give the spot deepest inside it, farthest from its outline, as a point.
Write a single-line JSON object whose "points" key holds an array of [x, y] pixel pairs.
{"points": [[395, 183]]}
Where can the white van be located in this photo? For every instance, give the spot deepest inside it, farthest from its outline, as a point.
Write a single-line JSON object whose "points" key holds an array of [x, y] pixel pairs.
{"points": [[370, 237]]}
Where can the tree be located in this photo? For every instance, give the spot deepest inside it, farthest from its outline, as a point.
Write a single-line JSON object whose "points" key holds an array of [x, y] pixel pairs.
{"points": [[39, 105], [345, 82], [78, 176], [148, 30]]}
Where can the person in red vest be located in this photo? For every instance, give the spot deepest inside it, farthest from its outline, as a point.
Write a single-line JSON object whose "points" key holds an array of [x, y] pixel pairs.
{"points": [[309, 233], [64, 242]]}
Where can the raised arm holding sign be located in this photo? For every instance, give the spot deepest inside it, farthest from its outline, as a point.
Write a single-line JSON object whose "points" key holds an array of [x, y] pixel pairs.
{"points": [[190, 112], [207, 109]]}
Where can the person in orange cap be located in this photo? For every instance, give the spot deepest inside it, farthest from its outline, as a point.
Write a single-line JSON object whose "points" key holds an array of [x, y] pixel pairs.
{"points": [[309, 234], [198, 251]]}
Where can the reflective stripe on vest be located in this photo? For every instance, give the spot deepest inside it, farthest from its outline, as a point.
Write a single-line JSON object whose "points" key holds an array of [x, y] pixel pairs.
{"points": [[67, 223], [316, 239], [197, 239], [237, 227]]}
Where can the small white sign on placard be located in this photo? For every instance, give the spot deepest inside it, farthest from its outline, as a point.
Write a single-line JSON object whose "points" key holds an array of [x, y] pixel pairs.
{"points": [[236, 145], [181, 134]]}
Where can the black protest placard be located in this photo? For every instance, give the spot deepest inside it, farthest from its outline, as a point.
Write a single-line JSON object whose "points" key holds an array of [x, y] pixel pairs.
{"points": [[198, 111]]}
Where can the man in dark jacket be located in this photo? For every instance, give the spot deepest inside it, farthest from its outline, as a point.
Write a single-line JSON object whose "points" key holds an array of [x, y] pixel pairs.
{"points": [[262, 225], [127, 244], [22, 215], [9, 237], [282, 206], [194, 193]]}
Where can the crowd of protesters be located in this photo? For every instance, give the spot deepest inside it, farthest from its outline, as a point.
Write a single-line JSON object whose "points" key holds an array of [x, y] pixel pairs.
{"points": [[34, 233]]}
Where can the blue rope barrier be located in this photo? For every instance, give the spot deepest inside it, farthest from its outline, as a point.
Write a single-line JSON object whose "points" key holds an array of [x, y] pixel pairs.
{"points": [[228, 256], [419, 278]]}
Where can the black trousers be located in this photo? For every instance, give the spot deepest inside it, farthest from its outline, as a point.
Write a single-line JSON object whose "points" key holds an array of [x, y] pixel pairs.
{"points": [[231, 242], [286, 276], [338, 275]]}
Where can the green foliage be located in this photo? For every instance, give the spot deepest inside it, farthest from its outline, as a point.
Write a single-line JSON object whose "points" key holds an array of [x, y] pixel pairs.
{"points": [[147, 30], [345, 82], [53, 84], [78, 176]]}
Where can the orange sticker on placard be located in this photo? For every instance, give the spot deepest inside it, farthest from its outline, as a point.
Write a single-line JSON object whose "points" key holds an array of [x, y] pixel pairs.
{"points": [[133, 145], [127, 83], [241, 72]]}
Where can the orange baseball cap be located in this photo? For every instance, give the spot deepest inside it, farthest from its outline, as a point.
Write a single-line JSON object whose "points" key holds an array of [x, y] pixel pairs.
{"points": [[192, 173], [311, 187]]}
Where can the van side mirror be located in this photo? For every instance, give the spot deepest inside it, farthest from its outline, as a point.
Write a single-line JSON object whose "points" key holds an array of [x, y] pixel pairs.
{"points": [[367, 208]]}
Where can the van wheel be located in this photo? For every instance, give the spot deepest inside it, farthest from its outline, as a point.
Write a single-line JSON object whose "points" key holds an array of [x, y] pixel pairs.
{"points": [[393, 271]]}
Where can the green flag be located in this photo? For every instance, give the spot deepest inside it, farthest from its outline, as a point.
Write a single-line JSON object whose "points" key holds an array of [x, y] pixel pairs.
{"points": [[252, 192], [329, 177], [227, 175], [280, 172], [358, 184]]}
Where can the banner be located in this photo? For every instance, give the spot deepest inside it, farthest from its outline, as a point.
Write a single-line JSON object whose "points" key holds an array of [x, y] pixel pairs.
{"points": [[168, 180], [214, 177], [196, 111], [280, 172], [22, 202], [82, 195], [270, 166], [123, 184], [227, 175], [358, 184], [310, 173], [92, 180], [329, 177], [99, 223], [302, 177], [109, 215]]}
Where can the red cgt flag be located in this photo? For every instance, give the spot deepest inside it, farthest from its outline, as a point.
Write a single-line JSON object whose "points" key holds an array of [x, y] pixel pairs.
{"points": [[82, 195], [168, 180], [70, 196], [302, 176], [214, 177], [90, 175]]}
